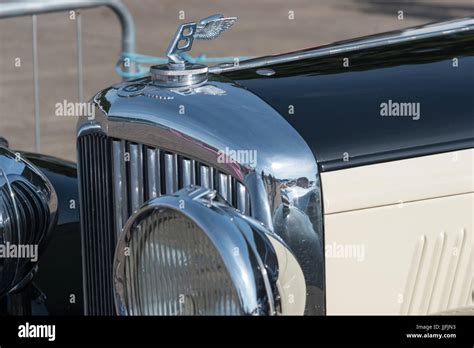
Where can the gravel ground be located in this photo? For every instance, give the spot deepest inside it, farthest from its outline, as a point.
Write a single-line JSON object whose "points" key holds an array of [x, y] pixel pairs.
{"points": [[263, 28]]}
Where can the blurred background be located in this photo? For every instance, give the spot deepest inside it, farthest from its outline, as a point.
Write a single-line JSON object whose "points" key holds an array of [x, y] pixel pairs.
{"points": [[263, 28]]}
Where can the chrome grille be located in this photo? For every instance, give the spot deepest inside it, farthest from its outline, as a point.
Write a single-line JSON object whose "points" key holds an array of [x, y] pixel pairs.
{"points": [[142, 172], [98, 239], [117, 177], [32, 211]]}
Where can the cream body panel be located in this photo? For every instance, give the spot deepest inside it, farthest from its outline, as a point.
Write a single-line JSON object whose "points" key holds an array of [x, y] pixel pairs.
{"points": [[399, 181], [404, 245], [417, 258]]}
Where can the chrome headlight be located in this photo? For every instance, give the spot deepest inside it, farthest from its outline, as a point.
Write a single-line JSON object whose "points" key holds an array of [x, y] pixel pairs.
{"points": [[28, 207], [191, 253]]}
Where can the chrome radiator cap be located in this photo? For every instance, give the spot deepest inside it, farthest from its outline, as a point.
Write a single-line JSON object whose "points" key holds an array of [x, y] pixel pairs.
{"points": [[165, 76], [179, 73]]}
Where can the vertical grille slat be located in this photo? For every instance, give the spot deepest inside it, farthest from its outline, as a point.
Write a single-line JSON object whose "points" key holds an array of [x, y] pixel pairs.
{"points": [[98, 225], [205, 176], [188, 176], [153, 173], [108, 224], [120, 184], [92, 235], [116, 177], [136, 177], [242, 198], [171, 173], [85, 223], [223, 186]]}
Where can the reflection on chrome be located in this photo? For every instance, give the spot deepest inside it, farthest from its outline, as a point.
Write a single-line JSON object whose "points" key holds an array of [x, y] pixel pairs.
{"points": [[283, 189]]}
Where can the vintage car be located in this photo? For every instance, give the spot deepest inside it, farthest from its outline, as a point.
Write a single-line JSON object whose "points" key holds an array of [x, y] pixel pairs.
{"points": [[332, 180]]}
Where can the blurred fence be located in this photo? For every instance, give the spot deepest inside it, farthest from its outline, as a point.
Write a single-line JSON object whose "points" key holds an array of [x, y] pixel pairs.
{"points": [[34, 8]]}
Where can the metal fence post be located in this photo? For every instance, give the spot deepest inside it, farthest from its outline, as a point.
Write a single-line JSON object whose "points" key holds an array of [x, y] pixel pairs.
{"points": [[34, 7], [36, 84], [80, 77]]}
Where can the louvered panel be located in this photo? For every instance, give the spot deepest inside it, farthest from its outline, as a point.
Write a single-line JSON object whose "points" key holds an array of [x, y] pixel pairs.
{"points": [[440, 274]]}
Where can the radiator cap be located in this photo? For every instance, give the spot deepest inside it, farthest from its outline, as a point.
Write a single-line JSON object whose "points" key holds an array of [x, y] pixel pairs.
{"points": [[178, 72], [165, 76]]}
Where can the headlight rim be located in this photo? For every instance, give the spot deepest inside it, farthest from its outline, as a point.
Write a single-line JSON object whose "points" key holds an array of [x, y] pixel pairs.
{"points": [[198, 201]]}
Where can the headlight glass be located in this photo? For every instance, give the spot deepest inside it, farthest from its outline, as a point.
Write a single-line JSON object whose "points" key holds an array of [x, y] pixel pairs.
{"points": [[174, 269]]}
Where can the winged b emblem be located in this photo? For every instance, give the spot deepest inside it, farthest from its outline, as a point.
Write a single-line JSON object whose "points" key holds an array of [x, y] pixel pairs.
{"points": [[208, 28]]}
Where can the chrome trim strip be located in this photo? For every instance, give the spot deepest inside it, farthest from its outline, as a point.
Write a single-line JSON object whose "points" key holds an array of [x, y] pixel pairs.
{"points": [[389, 38]]}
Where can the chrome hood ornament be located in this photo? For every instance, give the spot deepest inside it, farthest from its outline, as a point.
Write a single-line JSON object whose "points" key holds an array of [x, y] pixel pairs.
{"points": [[179, 73], [211, 27]]}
